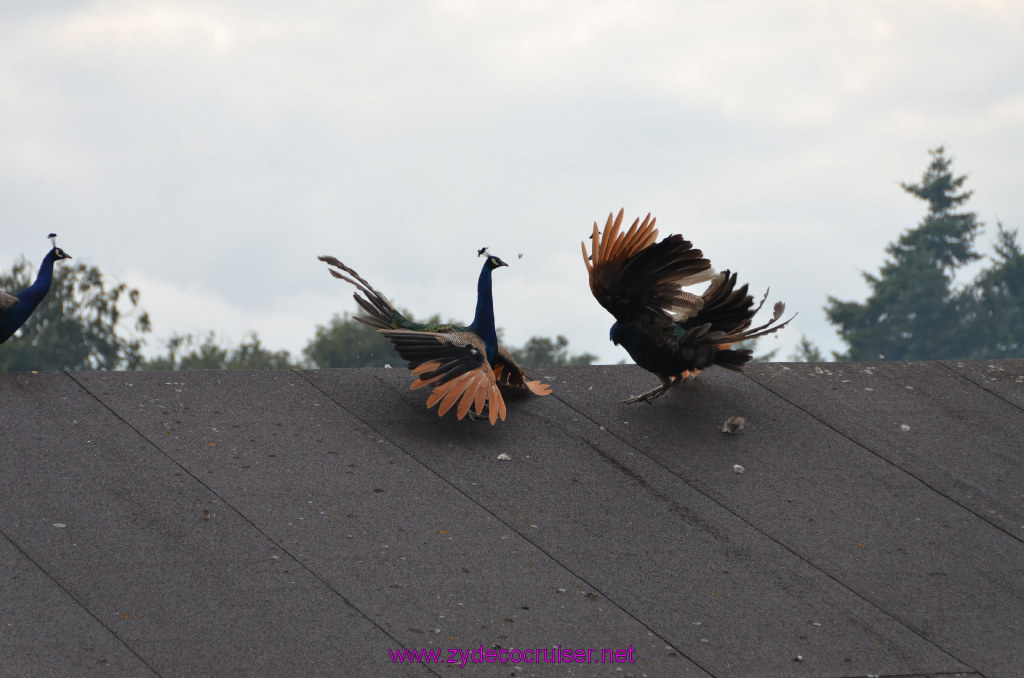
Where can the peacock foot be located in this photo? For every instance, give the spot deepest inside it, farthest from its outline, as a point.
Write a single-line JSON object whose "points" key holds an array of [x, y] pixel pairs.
{"points": [[653, 394]]}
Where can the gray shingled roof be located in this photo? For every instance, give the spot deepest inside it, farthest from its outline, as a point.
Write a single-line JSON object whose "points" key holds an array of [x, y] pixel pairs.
{"points": [[306, 523]]}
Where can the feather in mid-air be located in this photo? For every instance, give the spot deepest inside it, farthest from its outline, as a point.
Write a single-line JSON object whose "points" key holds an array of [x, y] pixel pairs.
{"points": [[16, 308], [667, 331], [463, 365]]}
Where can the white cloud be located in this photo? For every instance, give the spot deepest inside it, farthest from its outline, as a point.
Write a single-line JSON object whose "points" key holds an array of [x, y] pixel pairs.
{"points": [[212, 149]]}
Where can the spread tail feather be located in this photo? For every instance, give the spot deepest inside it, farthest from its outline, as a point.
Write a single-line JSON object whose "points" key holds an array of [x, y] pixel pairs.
{"points": [[382, 314]]}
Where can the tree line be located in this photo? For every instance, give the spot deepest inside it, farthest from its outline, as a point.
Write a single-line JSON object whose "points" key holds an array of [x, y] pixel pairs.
{"points": [[915, 310], [342, 342], [84, 323]]}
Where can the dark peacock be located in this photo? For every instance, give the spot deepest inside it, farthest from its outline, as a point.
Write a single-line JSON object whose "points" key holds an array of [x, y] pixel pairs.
{"points": [[667, 331], [463, 365], [16, 308]]}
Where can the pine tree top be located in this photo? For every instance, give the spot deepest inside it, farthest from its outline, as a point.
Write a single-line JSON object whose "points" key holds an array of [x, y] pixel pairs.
{"points": [[938, 185], [944, 237]]}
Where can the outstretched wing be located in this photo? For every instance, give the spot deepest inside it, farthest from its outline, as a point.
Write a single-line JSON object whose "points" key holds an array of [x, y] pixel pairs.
{"points": [[454, 365], [631, 275], [509, 374]]}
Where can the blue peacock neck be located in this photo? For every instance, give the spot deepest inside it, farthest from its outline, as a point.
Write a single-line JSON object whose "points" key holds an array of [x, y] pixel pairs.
{"points": [[31, 296], [483, 321]]}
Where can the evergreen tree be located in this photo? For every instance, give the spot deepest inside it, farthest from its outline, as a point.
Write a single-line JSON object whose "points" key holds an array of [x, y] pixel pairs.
{"points": [[994, 304], [912, 312]]}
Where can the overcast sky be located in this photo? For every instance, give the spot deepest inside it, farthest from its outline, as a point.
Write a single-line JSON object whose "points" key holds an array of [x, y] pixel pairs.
{"points": [[207, 152]]}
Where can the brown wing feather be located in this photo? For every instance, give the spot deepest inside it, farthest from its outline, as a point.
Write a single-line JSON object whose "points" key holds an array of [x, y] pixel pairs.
{"points": [[614, 247], [454, 365], [639, 238], [632, 275], [496, 399], [479, 399], [457, 388], [509, 374], [423, 369]]}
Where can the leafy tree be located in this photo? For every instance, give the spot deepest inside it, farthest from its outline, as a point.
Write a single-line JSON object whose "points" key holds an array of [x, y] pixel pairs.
{"points": [[540, 351], [911, 313], [185, 352], [79, 325], [346, 342], [252, 355]]}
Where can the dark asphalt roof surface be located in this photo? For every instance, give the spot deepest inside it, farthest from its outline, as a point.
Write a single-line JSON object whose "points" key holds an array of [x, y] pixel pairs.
{"points": [[313, 522]]}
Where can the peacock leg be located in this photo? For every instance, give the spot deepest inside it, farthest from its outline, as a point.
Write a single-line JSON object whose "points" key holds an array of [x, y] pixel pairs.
{"points": [[657, 392]]}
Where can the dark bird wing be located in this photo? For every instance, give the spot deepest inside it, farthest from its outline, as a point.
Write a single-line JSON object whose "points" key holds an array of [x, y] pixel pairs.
{"points": [[454, 365], [633, 276], [510, 375], [667, 331], [731, 310], [725, 319], [727, 308]]}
